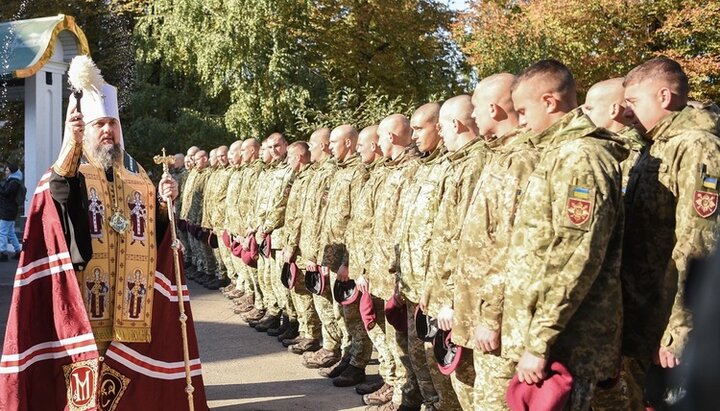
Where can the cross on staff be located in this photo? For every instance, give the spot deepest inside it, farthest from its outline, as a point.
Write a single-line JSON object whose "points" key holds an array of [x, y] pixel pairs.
{"points": [[166, 160]]}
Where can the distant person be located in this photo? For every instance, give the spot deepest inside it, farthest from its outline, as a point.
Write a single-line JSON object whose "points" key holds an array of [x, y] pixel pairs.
{"points": [[12, 196]]}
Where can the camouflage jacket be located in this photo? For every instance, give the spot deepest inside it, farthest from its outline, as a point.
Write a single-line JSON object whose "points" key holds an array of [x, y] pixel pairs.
{"points": [[672, 217], [313, 208], [485, 236], [422, 201], [186, 194], [637, 145], [197, 196], [271, 200], [180, 177], [361, 221], [253, 176], [460, 180], [293, 210], [233, 217], [345, 187], [214, 205], [385, 252], [562, 285]]}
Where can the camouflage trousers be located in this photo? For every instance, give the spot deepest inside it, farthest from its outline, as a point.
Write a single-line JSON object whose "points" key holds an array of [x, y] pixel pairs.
{"points": [[377, 336], [492, 377], [330, 318], [282, 294], [463, 380], [436, 389], [220, 268], [183, 237], [407, 392], [627, 393], [360, 349], [308, 319], [580, 395], [266, 267], [226, 257], [246, 276], [208, 258]]}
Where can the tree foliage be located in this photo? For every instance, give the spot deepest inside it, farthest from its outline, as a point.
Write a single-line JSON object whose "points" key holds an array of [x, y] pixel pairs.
{"points": [[597, 40]]}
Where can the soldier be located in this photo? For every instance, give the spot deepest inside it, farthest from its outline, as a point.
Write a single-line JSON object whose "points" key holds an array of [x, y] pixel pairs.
{"points": [[672, 217], [256, 158], [395, 138], [467, 155], [183, 234], [605, 105], [422, 202], [214, 215], [201, 250], [485, 234], [266, 224], [238, 281], [308, 247], [562, 290], [331, 244]]}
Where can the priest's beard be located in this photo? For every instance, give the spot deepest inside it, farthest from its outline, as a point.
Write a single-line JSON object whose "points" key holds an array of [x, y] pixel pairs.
{"points": [[106, 154]]}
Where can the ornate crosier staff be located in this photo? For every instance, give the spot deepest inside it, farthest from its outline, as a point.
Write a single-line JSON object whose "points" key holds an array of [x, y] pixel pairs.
{"points": [[165, 161]]}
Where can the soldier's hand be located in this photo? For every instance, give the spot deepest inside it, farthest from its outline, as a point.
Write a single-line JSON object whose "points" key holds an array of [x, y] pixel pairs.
{"points": [[249, 231], [342, 274], [287, 256], [75, 126], [168, 187], [531, 369], [445, 318], [325, 271], [486, 339], [362, 285], [311, 266], [665, 358]]}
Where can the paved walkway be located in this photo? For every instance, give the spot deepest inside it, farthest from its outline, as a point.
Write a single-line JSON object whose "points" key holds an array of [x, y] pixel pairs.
{"points": [[242, 369]]}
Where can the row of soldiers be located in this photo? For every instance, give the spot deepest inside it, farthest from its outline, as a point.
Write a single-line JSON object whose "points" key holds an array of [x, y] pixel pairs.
{"points": [[533, 232]]}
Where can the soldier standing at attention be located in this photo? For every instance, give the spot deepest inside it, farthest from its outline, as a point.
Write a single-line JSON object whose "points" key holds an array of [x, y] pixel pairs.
{"points": [[189, 161], [484, 239], [605, 105], [200, 249], [562, 293], [672, 217], [239, 283], [467, 155], [214, 215]]}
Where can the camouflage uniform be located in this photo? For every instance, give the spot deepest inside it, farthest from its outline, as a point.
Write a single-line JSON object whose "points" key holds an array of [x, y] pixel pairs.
{"points": [[359, 256], [344, 191], [422, 200], [313, 208], [252, 177], [186, 197], [483, 249], [637, 145], [268, 217], [672, 218], [562, 284], [385, 265], [201, 250], [233, 224], [309, 322], [181, 177], [214, 216], [465, 166]]}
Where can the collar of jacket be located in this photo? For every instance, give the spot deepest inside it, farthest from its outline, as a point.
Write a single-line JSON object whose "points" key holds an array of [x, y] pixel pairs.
{"points": [[405, 156], [571, 124], [635, 139], [690, 118], [351, 161], [473, 146], [508, 139], [435, 155]]}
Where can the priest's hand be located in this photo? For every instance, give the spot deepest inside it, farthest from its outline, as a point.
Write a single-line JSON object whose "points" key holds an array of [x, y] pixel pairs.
{"points": [[168, 187], [75, 126]]}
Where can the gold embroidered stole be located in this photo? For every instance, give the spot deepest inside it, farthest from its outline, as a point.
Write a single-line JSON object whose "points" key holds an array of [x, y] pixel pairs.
{"points": [[117, 284]]}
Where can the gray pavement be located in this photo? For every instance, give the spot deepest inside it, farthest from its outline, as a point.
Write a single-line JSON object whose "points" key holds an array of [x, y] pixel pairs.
{"points": [[243, 369]]}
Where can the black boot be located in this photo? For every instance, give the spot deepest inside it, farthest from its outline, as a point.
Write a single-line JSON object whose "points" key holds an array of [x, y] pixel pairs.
{"points": [[272, 321], [291, 332], [284, 324]]}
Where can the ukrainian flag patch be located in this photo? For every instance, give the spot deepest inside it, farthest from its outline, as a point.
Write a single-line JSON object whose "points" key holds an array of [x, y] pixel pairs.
{"points": [[580, 192], [710, 182]]}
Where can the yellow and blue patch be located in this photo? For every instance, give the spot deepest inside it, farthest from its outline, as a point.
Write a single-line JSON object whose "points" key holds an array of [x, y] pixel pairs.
{"points": [[581, 193], [710, 182]]}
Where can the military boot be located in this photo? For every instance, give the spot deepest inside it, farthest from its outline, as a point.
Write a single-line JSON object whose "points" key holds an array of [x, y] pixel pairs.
{"points": [[243, 308], [382, 396], [272, 321], [304, 345], [321, 359], [291, 332], [352, 375], [293, 341], [217, 283], [369, 387], [284, 325], [253, 316], [335, 370]]}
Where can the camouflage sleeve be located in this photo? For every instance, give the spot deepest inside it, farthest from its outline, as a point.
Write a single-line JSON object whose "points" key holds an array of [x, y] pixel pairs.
{"points": [[360, 179], [293, 220], [208, 203], [491, 293], [586, 202], [698, 171], [275, 216], [444, 259]]}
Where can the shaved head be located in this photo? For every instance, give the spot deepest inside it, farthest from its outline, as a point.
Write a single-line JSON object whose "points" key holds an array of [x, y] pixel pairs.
{"points": [[456, 124], [605, 104], [395, 135], [221, 155], [234, 154], [277, 145], [179, 161], [319, 143], [424, 127], [201, 159], [192, 150], [249, 150], [367, 144], [343, 140], [493, 108]]}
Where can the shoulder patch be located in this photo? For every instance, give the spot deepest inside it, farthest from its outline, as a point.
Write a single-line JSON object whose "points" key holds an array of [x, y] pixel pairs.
{"points": [[579, 207], [705, 203]]}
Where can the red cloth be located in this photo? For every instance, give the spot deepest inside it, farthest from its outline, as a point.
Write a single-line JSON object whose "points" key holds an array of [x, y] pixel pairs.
{"points": [[226, 239], [46, 310], [48, 332], [396, 313], [367, 311], [249, 255], [551, 394]]}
